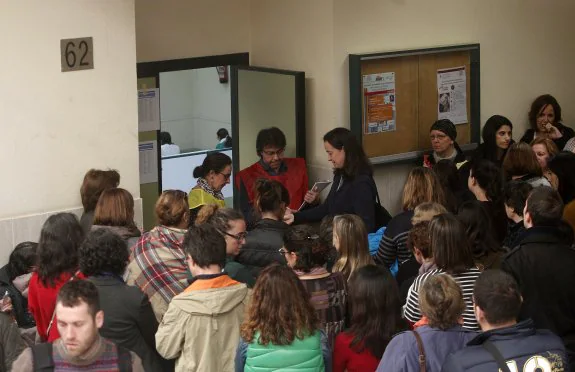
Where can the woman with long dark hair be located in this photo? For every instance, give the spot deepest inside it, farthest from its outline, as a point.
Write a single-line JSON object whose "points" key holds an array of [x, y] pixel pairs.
{"points": [[486, 183], [353, 190], [281, 329], [60, 239], [487, 252], [497, 134], [266, 237], [546, 121], [374, 320]]}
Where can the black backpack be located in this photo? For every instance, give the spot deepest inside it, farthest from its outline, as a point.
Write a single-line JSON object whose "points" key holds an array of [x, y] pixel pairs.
{"points": [[44, 362]]}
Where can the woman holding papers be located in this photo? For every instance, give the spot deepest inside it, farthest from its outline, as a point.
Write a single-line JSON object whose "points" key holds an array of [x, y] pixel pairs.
{"points": [[353, 190]]}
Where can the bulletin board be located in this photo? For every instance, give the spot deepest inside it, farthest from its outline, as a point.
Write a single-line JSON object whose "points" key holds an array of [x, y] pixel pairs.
{"points": [[395, 98]]}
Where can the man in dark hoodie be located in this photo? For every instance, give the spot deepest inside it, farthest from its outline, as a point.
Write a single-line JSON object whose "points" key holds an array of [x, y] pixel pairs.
{"points": [[505, 342], [542, 263]]}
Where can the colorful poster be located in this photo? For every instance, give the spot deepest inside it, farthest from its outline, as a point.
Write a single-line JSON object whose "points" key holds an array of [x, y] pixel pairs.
{"points": [[452, 95], [379, 102]]}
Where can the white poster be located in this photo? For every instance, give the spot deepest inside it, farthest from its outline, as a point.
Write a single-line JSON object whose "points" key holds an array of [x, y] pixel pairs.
{"points": [[148, 151], [148, 109], [379, 102], [452, 95]]}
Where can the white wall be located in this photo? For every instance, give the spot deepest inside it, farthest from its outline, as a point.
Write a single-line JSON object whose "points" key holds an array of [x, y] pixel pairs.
{"points": [[58, 125], [193, 106], [527, 49]]}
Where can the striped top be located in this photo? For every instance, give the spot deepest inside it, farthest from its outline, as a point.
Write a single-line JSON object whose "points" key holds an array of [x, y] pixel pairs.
{"points": [[466, 281], [393, 244]]}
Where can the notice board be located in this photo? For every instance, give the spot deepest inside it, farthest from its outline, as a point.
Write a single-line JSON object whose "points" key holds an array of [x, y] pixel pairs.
{"points": [[395, 97]]}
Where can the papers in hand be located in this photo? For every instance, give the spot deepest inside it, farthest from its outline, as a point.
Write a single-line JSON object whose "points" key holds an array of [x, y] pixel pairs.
{"points": [[318, 187]]}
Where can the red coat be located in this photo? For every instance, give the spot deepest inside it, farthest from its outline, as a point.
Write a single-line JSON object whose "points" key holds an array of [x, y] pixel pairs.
{"points": [[294, 179], [346, 359], [42, 303]]}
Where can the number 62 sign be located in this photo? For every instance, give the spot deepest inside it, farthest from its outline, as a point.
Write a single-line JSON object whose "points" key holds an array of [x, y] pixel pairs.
{"points": [[77, 54]]}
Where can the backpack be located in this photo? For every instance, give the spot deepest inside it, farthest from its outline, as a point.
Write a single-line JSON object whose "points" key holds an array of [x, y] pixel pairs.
{"points": [[44, 362]]}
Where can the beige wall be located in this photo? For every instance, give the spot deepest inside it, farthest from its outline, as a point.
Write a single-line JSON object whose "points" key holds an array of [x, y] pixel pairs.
{"points": [[172, 29], [526, 49], [57, 125]]}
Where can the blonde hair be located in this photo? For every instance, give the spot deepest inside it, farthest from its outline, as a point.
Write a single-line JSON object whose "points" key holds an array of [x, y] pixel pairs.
{"points": [[426, 211], [422, 186], [353, 248]]}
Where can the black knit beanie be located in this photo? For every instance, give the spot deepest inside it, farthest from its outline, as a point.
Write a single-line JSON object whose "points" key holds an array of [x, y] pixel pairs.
{"points": [[446, 126]]}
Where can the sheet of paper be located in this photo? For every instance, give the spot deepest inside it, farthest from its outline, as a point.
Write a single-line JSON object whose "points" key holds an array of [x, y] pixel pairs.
{"points": [[452, 95], [379, 102], [148, 110], [148, 151]]}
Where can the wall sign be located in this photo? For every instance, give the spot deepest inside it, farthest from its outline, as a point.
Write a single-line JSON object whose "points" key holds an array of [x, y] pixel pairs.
{"points": [[77, 54]]}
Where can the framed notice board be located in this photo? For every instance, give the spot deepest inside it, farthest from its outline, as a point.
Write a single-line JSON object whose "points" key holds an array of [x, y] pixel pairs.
{"points": [[395, 97]]}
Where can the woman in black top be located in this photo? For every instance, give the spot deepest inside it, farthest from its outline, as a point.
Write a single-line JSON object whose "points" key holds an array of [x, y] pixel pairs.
{"points": [[497, 137], [353, 190], [485, 182], [545, 120], [267, 236]]}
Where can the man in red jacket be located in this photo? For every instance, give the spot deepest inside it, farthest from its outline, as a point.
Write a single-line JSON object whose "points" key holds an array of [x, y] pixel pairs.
{"points": [[290, 172]]}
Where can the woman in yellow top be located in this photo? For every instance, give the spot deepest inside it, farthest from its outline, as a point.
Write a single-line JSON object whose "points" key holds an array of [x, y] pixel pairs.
{"points": [[212, 175]]}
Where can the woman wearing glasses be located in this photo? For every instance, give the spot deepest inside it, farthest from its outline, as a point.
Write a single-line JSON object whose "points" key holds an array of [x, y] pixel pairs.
{"points": [[442, 135], [231, 224], [212, 175]]}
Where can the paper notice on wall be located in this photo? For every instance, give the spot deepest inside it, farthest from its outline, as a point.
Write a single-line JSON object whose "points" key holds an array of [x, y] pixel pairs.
{"points": [[148, 109], [452, 95], [148, 151], [379, 102]]}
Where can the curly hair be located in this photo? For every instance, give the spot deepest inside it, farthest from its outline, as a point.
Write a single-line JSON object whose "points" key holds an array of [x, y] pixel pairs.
{"points": [[58, 245], [280, 309], [310, 250], [103, 252]]}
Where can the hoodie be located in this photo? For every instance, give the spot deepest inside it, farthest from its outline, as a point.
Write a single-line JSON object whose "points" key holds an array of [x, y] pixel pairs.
{"points": [[203, 322]]}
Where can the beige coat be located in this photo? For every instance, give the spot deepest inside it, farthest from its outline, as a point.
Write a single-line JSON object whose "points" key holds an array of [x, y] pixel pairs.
{"points": [[202, 327]]}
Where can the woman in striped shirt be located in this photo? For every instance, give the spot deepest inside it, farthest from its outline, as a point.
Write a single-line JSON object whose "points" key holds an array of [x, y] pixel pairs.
{"points": [[452, 255], [422, 186]]}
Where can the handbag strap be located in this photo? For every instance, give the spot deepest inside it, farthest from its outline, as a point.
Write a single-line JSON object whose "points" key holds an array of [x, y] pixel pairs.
{"points": [[494, 351], [54, 311], [421, 358]]}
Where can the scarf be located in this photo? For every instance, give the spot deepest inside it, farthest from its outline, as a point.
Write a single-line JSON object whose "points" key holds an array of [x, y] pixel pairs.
{"points": [[203, 184], [162, 262]]}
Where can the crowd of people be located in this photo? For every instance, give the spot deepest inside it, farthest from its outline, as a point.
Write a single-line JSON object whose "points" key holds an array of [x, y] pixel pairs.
{"points": [[474, 274]]}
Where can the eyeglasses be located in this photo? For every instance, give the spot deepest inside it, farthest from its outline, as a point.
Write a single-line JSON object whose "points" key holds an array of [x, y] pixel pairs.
{"points": [[239, 236], [439, 137], [226, 175], [273, 153]]}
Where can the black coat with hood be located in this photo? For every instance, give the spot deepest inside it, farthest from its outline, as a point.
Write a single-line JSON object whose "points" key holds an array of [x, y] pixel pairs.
{"points": [[19, 303]]}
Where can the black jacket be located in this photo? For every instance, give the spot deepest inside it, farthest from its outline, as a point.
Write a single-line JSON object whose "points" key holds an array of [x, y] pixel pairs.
{"points": [[544, 266], [129, 320], [567, 133], [356, 196], [19, 303], [262, 245], [517, 344]]}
